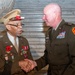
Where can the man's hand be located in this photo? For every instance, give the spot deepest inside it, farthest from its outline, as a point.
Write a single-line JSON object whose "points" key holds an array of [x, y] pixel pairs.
{"points": [[27, 65]]}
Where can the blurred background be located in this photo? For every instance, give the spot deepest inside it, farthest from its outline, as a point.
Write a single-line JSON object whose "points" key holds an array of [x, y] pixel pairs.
{"points": [[6, 6], [34, 27]]}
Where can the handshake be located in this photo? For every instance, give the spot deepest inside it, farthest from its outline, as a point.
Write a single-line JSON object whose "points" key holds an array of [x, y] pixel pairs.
{"points": [[27, 65]]}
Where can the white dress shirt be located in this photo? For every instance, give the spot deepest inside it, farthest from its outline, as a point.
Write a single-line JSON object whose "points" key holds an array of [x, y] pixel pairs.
{"points": [[11, 38]]}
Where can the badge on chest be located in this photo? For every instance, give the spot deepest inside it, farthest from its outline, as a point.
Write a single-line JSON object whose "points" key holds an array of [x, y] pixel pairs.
{"points": [[10, 56]]}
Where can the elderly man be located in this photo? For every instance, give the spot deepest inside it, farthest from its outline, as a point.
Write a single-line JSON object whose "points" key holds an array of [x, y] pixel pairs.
{"points": [[60, 44], [13, 46]]}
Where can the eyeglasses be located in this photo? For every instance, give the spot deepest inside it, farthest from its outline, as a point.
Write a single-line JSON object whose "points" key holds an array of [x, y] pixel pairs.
{"points": [[16, 25]]}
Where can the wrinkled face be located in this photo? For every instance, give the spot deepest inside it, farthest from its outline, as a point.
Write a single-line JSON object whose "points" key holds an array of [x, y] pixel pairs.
{"points": [[14, 28], [49, 17]]}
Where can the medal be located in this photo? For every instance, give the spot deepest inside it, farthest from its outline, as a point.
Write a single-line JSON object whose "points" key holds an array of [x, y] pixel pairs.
{"points": [[6, 58], [12, 57], [24, 51]]}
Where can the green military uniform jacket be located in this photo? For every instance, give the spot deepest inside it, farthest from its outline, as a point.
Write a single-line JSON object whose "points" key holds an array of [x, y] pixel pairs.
{"points": [[13, 57], [60, 50]]}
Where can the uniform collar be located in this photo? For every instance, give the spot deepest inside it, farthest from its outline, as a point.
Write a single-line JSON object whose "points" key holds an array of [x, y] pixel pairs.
{"points": [[11, 38], [59, 26]]}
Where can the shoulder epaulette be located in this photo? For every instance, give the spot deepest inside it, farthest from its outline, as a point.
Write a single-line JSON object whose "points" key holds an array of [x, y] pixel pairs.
{"points": [[70, 24]]}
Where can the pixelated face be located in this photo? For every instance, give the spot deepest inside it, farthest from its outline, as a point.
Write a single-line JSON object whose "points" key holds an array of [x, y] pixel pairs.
{"points": [[49, 17], [15, 28]]}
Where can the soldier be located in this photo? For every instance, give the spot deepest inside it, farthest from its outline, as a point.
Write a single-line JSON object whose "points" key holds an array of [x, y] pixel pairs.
{"points": [[13, 46], [59, 53]]}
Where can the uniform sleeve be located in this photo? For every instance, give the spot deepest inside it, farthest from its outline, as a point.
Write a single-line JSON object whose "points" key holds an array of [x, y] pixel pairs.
{"points": [[70, 70], [1, 58], [42, 62]]}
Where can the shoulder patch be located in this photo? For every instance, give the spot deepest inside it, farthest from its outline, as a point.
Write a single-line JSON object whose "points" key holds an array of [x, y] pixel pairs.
{"points": [[73, 30], [70, 24]]}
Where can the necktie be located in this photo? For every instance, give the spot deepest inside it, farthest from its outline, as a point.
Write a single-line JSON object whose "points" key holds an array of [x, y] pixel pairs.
{"points": [[15, 44]]}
